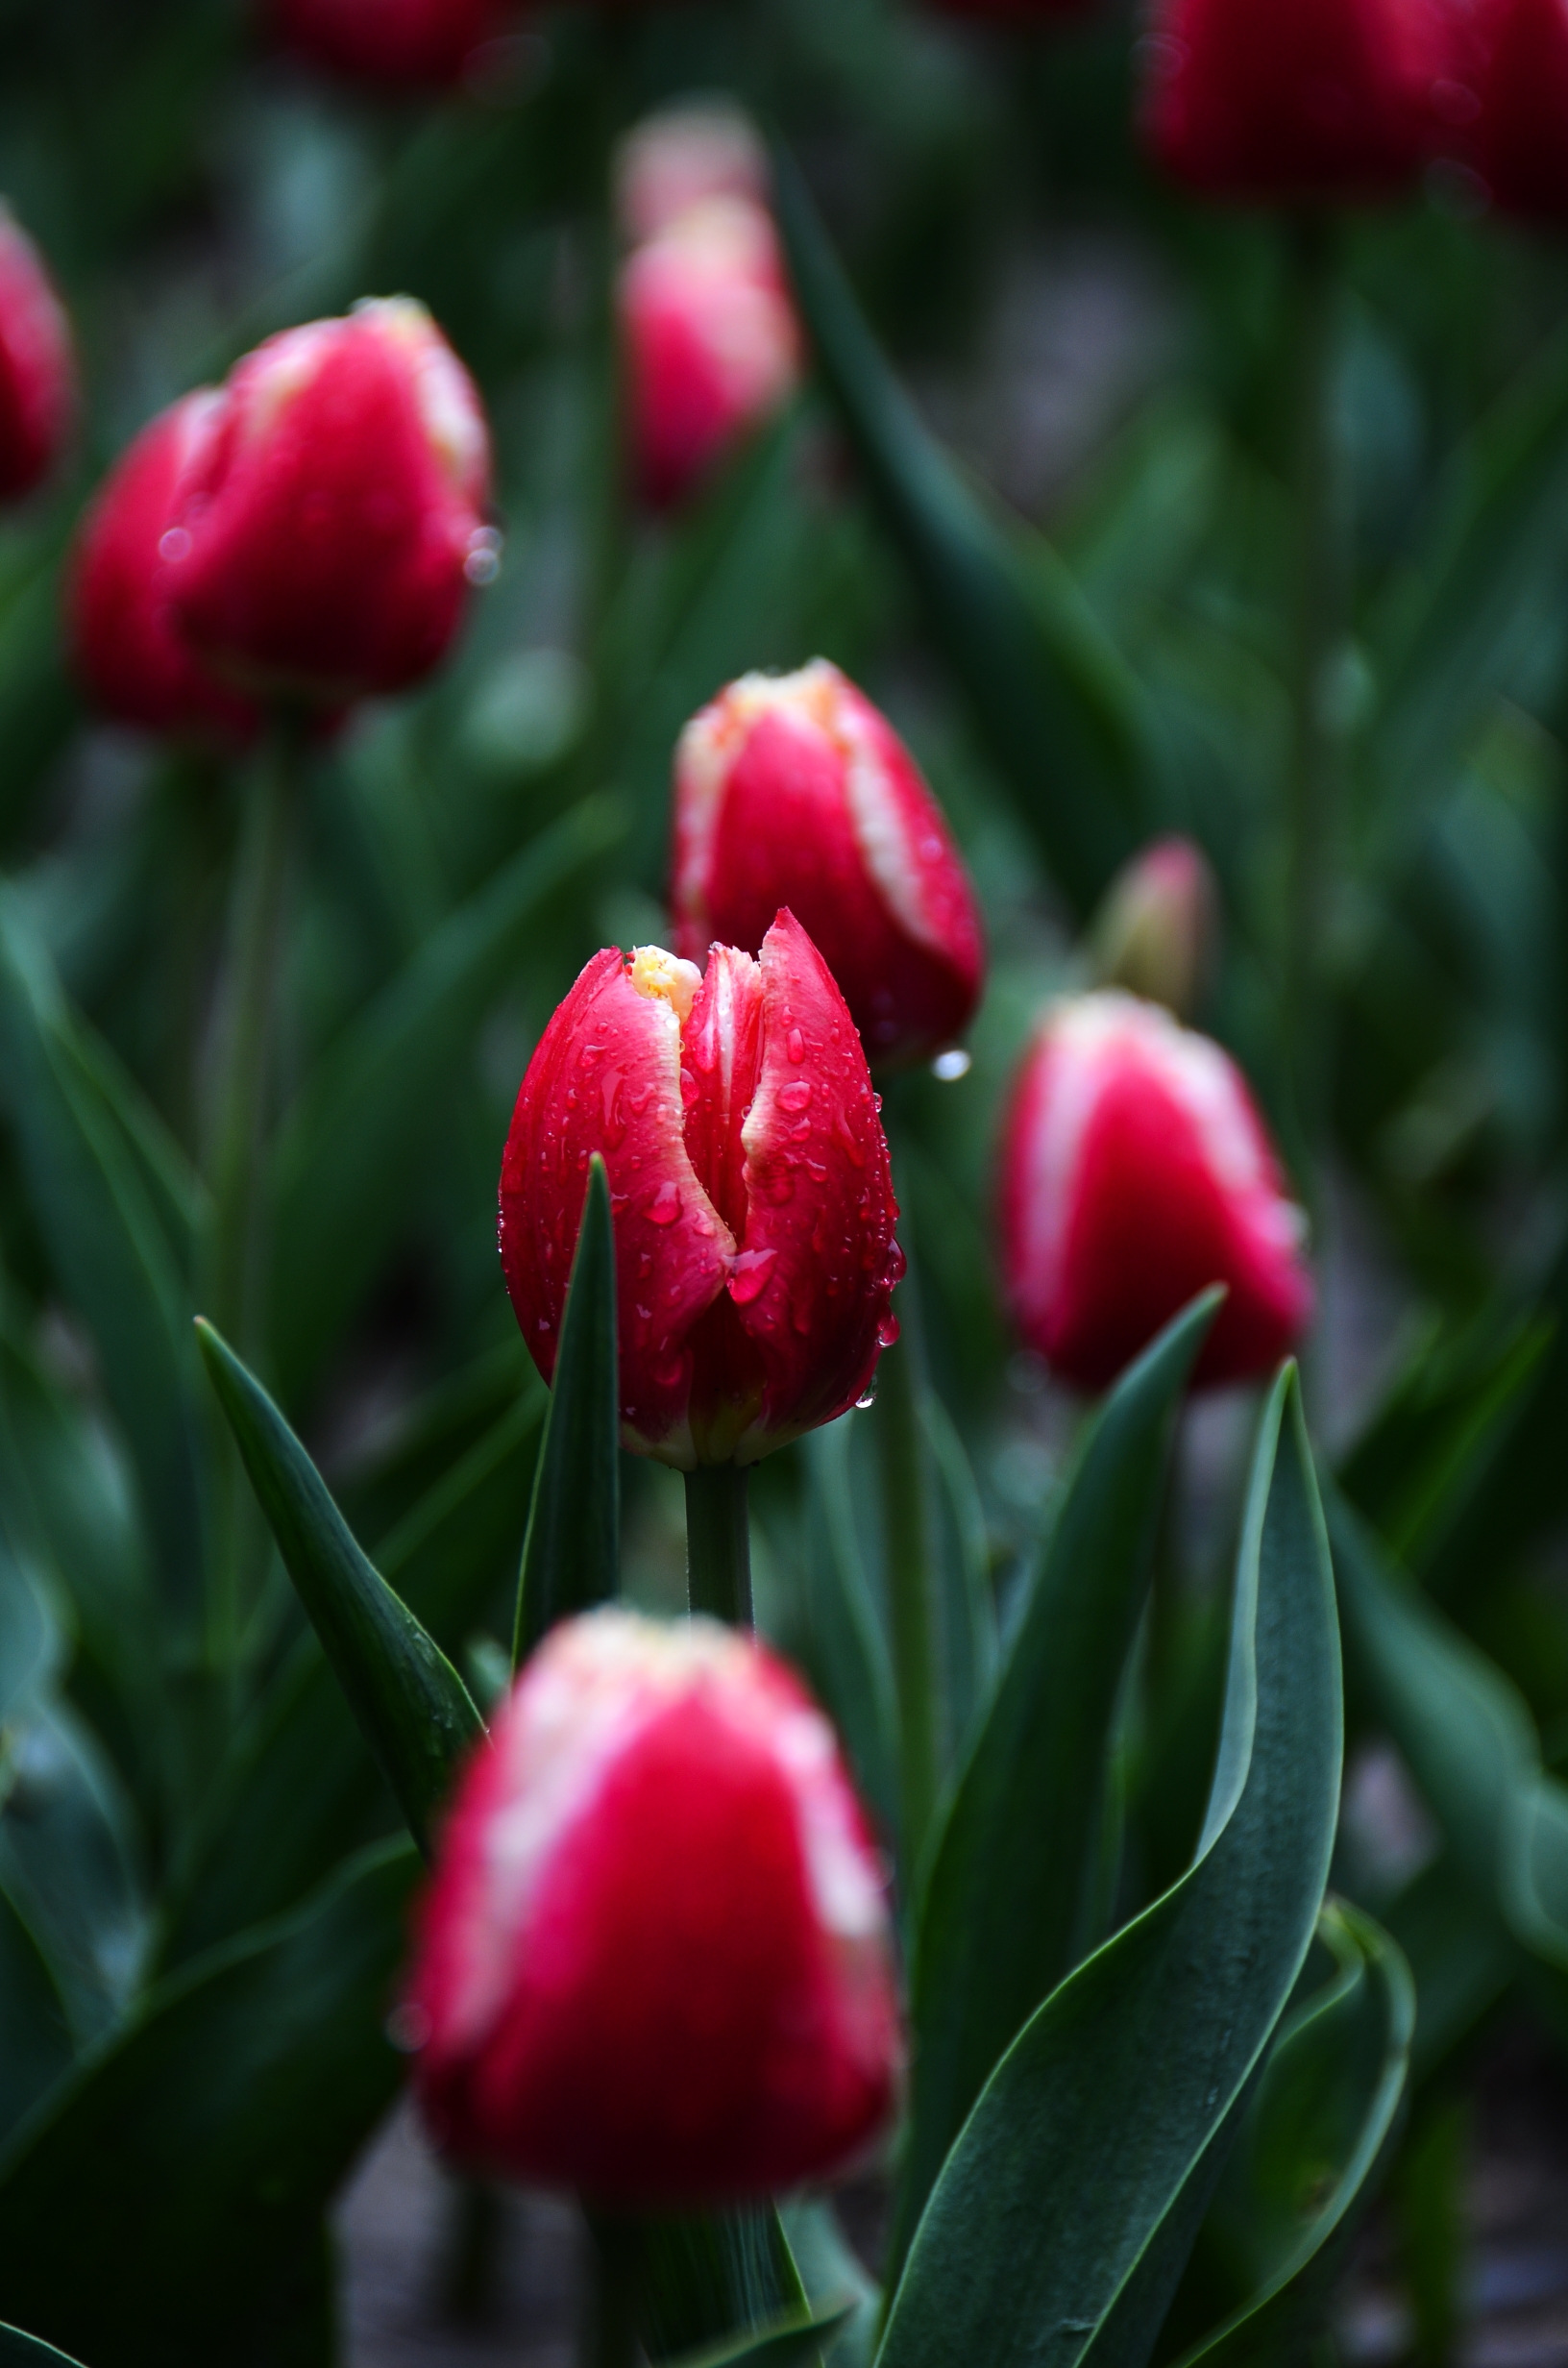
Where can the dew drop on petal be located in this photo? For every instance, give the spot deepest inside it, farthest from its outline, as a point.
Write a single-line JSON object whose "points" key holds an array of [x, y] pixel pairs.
{"points": [[748, 1275], [665, 1206], [794, 1044], [887, 1331], [796, 1094], [862, 1403]]}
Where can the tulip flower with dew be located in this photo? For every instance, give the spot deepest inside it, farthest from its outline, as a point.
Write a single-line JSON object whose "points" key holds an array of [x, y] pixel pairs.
{"points": [[794, 789], [712, 345], [749, 1189], [127, 648], [1135, 1169], [1302, 101], [654, 1963], [333, 518], [37, 366]]}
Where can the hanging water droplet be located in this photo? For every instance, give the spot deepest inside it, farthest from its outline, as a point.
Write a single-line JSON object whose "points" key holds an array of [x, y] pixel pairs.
{"points": [[868, 1400]]}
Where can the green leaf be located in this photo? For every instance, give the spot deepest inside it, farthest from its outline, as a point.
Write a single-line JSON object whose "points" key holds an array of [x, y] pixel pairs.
{"points": [[359, 1129], [846, 1644], [19, 2351], [1053, 701], [1063, 2215], [571, 1554], [966, 1610], [793, 2344], [704, 2277], [36, 2049], [195, 2154], [1000, 1920], [834, 2278], [69, 1865], [106, 1240], [412, 1707], [1461, 1962], [1311, 2146]]}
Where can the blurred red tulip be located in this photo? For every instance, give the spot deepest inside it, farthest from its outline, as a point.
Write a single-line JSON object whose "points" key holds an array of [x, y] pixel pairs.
{"points": [[126, 645], [37, 366], [654, 1964], [793, 789], [1296, 102], [1519, 140], [1136, 1170], [393, 41], [682, 157], [332, 519], [748, 1182], [712, 345]]}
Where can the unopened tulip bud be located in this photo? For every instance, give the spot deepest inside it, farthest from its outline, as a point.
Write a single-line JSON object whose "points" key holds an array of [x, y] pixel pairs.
{"points": [[126, 649], [396, 42], [1155, 931], [654, 1964], [37, 366], [1135, 1172], [794, 789], [1519, 137], [712, 345], [1299, 100], [333, 518], [749, 1184], [681, 159]]}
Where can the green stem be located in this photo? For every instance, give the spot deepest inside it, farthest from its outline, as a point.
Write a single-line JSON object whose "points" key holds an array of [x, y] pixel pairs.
{"points": [[906, 1530], [240, 1076], [1321, 596], [718, 1544], [610, 2336]]}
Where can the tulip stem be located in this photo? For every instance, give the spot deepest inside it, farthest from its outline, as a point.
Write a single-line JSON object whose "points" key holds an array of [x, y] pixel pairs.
{"points": [[610, 2338], [906, 1530], [246, 1020], [718, 1544], [1320, 596]]}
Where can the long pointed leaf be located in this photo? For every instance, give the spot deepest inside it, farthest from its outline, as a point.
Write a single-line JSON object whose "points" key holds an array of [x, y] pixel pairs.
{"points": [[413, 1708], [798, 2343], [19, 2351], [1050, 696], [1062, 2221], [708, 2278], [1002, 1909], [571, 1553]]}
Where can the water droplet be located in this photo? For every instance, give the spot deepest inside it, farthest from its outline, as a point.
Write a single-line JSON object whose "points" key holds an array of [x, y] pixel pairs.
{"points": [[796, 1094], [689, 1087], [669, 1371], [887, 1331], [951, 1065], [801, 1132], [174, 546], [638, 1099], [868, 1400], [665, 1206], [794, 1044], [481, 565], [748, 1275]]}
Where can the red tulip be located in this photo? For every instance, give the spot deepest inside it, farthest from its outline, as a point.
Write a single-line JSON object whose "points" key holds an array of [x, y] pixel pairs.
{"points": [[1298, 100], [749, 1183], [712, 345], [399, 43], [654, 1962], [681, 158], [1135, 1171], [37, 366], [794, 789], [127, 648], [332, 519], [1519, 140]]}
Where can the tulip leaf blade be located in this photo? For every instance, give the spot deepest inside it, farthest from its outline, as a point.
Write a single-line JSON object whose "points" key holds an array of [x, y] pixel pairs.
{"points": [[572, 1552], [412, 1707], [1063, 2215], [19, 2351], [1058, 708], [708, 2278], [1311, 2146], [791, 2343], [999, 1917]]}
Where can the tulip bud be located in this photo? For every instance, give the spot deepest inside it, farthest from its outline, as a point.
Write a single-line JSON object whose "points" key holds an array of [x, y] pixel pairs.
{"points": [[1519, 139], [654, 1964], [1297, 101], [126, 649], [749, 1183], [712, 345], [332, 518], [794, 789], [397, 42], [681, 159], [1135, 1171], [1155, 934], [38, 368]]}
